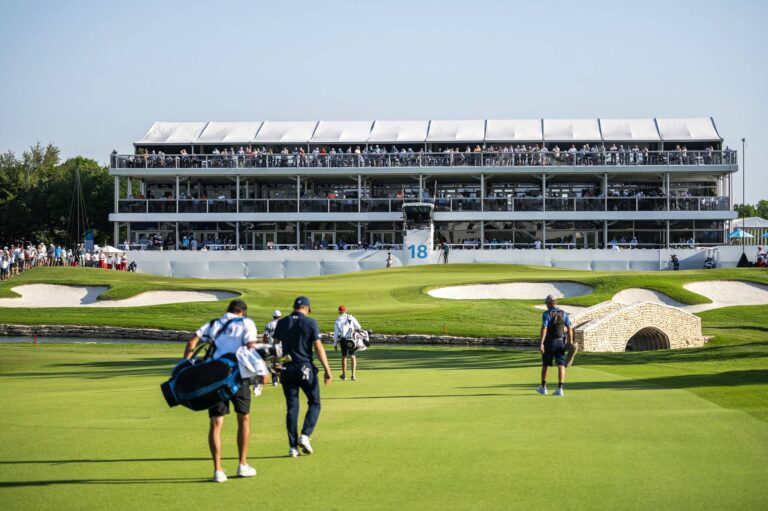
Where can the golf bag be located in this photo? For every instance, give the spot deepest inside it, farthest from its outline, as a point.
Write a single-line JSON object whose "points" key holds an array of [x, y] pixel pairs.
{"points": [[357, 340], [273, 355], [200, 383]]}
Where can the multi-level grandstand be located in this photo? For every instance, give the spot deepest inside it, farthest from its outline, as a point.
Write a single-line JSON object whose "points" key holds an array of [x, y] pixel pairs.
{"points": [[494, 184]]}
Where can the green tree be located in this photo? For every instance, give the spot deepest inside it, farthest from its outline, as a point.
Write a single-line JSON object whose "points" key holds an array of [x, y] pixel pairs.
{"points": [[745, 210], [762, 209]]}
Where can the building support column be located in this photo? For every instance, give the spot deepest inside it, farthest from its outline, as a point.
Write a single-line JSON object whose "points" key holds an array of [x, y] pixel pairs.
{"points": [[544, 192], [667, 233], [482, 234], [482, 192], [116, 233], [668, 193], [605, 232], [237, 235], [298, 235], [359, 201], [605, 194], [117, 193], [177, 227], [177, 203], [298, 196], [237, 198], [359, 233], [128, 188], [128, 231]]}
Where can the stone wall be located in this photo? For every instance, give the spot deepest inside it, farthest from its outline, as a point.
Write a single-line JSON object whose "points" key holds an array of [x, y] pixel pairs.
{"points": [[613, 330], [108, 332]]}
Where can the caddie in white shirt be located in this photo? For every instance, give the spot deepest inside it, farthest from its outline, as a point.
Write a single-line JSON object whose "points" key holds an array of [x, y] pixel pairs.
{"points": [[345, 326], [228, 334]]}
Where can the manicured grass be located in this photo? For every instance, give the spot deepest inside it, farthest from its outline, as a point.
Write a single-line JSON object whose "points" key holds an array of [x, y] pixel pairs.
{"points": [[387, 301], [85, 427]]}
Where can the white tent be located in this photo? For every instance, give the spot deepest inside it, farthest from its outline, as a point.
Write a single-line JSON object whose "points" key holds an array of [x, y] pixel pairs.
{"points": [[456, 131], [525, 130], [629, 130], [572, 130], [285, 132], [108, 249], [172, 133], [228, 133], [414, 132], [681, 130], [341, 132], [751, 222]]}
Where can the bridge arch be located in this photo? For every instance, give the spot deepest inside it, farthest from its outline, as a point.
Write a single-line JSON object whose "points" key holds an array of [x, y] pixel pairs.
{"points": [[648, 338]]}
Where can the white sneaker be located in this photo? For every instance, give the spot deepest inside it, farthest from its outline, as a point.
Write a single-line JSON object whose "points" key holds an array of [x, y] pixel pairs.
{"points": [[219, 476], [245, 471], [305, 445], [541, 389], [558, 392], [293, 452]]}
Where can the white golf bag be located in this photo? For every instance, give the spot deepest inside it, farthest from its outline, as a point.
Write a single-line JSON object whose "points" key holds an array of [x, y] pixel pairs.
{"points": [[357, 340]]}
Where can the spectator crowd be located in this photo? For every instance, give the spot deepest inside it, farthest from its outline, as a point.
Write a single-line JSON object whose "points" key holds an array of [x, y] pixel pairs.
{"points": [[18, 257]]}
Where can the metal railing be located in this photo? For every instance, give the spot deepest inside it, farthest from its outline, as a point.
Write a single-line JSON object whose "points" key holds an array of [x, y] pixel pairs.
{"points": [[500, 204], [547, 158]]}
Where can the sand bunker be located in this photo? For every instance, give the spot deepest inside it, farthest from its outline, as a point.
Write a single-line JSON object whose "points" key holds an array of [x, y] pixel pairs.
{"points": [[50, 295], [512, 291], [723, 293]]}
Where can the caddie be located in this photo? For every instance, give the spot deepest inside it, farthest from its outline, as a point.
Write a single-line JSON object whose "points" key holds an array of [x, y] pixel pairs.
{"points": [[556, 334], [343, 329], [228, 334]]}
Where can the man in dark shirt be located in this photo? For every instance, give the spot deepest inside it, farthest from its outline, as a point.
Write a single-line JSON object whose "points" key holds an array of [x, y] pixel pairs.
{"points": [[556, 335], [299, 334]]}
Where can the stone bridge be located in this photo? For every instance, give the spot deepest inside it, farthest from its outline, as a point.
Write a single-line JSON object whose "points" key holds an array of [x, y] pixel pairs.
{"points": [[612, 326]]}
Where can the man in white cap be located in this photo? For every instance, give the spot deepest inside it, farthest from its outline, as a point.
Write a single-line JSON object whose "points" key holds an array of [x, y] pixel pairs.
{"points": [[556, 333], [268, 337]]}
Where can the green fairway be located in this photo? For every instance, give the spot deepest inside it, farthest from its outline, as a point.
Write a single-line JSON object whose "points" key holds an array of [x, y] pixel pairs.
{"points": [[85, 427], [388, 301]]}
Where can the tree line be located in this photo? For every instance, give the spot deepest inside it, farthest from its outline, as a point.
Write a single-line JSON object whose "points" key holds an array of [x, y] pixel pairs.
{"points": [[749, 210], [36, 191]]}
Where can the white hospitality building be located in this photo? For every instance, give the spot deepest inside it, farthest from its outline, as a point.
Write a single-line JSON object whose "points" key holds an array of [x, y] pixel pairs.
{"points": [[492, 186]]}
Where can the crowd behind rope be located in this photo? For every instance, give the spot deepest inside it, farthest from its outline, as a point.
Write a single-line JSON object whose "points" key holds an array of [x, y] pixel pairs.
{"points": [[16, 258], [380, 156]]}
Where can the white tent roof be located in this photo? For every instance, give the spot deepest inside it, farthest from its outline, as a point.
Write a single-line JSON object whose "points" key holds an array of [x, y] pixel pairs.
{"points": [[629, 130], [679, 130], [228, 133], [172, 133], [528, 130], [285, 132], [339, 132], [752, 222], [456, 131], [399, 131], [572, 130]]}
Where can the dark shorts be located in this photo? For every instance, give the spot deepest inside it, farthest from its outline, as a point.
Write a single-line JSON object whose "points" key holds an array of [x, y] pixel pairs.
{"points": [[345, 351], [554, 353], [241, 402]]}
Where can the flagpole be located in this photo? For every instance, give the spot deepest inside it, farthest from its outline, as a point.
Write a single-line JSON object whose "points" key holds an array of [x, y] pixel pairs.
{"points": [[743, 190]]}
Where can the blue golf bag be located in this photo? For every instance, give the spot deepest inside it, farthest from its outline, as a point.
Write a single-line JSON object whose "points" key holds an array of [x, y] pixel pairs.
{"points": [[200, 383]]}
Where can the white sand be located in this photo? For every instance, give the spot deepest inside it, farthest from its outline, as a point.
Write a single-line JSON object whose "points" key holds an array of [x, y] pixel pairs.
{"points": [[638, 295], [723, 293], [511, 291], [50, 295]]}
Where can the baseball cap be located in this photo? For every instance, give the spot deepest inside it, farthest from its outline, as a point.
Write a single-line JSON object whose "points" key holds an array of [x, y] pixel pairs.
{"points": [[302, 301], [276, 314], [342, 308], [550, 299]]}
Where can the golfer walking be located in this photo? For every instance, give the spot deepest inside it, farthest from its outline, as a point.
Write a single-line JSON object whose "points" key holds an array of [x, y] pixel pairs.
{"points": [[227, 334], [556, 333], [343, 330], [299, 335]]}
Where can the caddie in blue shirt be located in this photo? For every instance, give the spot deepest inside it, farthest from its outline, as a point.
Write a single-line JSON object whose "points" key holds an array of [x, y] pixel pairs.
{"points": [[299, 335], [556, 334]]}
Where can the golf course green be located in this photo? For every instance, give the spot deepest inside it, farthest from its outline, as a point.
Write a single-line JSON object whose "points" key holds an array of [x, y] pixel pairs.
{"points": [[85, 425]]}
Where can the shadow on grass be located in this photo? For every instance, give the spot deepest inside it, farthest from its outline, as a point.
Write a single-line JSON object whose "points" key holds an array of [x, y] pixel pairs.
{"points": [[160, 367], [424, 396], [723, 352], [125, 460], [383, 359], [57, 482], [687, 381]]}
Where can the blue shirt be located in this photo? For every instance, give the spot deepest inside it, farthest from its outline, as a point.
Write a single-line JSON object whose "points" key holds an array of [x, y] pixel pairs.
{"points": [[297, 333], [548, 315]]}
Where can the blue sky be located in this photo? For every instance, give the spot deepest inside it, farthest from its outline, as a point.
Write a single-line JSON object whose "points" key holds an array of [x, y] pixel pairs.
{"points": [[90, 76]]}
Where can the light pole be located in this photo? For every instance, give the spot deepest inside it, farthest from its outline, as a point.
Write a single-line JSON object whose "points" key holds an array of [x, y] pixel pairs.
{"points": [[743, 191]]}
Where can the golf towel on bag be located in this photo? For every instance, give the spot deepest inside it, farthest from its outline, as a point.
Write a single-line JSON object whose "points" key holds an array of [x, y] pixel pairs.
{"points": [[200, 385]]}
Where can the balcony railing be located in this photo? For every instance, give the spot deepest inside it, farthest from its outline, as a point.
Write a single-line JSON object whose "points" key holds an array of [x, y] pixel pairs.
{"points": [[548, 158], [503, 204]]}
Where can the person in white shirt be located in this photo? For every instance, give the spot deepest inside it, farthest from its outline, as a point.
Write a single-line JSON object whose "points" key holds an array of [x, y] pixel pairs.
{"points": [[345, 326], [537, 245], [268, 337], [228, 334]]}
